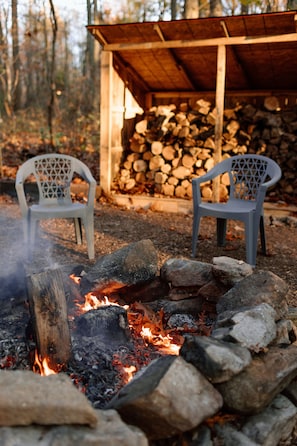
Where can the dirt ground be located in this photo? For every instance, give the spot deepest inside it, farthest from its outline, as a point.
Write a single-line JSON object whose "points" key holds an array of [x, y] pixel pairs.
{"points": [[117, 226]]}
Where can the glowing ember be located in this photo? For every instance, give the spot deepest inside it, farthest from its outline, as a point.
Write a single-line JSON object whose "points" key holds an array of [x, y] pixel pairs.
{"points": [[92, 303], [164, 343], [146, 333], [128, 373], [41, 366], [75, 279]]}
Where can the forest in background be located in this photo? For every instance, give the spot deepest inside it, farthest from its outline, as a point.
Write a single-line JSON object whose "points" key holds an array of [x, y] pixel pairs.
{"points": [[49, 63]]}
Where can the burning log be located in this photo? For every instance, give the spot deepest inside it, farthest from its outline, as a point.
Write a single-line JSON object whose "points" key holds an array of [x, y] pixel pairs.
{"points": [[48, 310], [109, 323]]}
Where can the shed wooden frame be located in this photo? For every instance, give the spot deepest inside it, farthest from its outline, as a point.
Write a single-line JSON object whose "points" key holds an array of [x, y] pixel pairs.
{"points": [[145, 64]]}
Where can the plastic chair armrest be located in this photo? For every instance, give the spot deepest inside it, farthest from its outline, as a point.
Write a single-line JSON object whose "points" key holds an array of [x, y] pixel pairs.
{"points": [[86, 174], [19, 186], [91, 192], [268, 183], [262, 192], [196, 182]]}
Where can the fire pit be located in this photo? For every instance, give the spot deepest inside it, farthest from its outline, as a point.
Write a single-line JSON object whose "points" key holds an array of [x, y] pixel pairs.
{"points": [[109, 341], [136, 333]]}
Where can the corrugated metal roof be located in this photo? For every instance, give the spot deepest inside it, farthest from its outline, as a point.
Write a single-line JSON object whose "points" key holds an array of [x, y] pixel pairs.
{"points": [[182, 55]]}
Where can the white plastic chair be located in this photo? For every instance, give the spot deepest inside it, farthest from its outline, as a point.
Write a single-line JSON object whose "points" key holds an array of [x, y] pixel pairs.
{"points": [[250, 177], [53, 174]]}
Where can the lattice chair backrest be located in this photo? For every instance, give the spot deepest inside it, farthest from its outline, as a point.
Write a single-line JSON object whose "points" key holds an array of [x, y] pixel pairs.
{"points": [[246, 176], [53, 176]]}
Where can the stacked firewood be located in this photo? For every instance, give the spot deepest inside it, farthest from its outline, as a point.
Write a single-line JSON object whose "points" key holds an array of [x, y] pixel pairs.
{"points": [[172, 145]]}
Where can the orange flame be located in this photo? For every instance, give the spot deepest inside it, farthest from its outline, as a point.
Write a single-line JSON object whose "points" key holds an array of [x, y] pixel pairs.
{"points": [[75, 278], [42, 366], [164, 343], [92, 303], [128, 373]]}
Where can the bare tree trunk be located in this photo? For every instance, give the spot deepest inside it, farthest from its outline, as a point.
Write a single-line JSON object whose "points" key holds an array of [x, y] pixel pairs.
{"points": [[66, 58], [43, 81], [173, 9], [291, 4], [162, 9], [215, 8], [191, 9], [6, 76], [29, 85], [272, 6], [52, 73], [96, 68], [244, 8], [16, 85], [91, 63]]}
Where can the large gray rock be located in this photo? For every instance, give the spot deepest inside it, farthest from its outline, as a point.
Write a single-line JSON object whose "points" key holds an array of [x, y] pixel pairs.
{"points": [[253, 328], [28, 398], [184, 306], [109, 430], [255, 289], [217, 360], [285, 332], [166, 398], [230, 436], [257, 385], [202, 436], [273, 424], [134, 264], [230, 271], [186, 273], [291, 392], [212, 291]]}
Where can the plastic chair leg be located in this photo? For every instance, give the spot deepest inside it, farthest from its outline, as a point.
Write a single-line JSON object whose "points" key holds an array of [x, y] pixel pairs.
{"points": [[221, 231], [196, 225], [251, 241], [262, 235], [89, 230], [26, 230], [78, 230], [33, 226]]}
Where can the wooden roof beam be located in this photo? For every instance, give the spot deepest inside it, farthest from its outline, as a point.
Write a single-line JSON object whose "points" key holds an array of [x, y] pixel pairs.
{"points": [[99, 36], [159, 32], [239, 40], [224, 26], [234, 54]]}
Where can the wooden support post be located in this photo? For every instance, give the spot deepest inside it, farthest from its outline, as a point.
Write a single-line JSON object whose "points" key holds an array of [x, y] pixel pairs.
{"points": [[106, 79], [220, 96], [48, 310]]}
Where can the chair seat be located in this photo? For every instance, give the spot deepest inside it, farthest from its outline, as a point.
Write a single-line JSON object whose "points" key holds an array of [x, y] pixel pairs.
{"points": [[73, 210], [233, 207]]}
